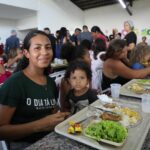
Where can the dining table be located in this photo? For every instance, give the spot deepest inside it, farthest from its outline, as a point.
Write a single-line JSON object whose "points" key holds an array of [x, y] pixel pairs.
{"points": [[139, 138]]}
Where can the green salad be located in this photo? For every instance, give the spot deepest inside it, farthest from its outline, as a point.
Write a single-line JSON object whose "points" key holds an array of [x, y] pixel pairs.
{"points": [[144, 81], [108, 130]]}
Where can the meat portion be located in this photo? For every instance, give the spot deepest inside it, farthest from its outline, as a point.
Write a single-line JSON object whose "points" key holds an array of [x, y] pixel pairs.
{"points": [[111, 116], [110, 105]]}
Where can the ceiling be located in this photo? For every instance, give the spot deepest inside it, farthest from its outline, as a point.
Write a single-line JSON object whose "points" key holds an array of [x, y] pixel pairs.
{"points": [[11, 12], [87, 4]]}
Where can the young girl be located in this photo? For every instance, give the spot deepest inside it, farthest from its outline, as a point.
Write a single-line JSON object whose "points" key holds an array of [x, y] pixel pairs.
{"points": [[79, 76], [28, 98], [78, 54]]}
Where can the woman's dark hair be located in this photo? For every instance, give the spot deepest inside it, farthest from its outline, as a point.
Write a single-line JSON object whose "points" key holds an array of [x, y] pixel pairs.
{"points": [[116, 46], [78, 64], [80, 52], [86, 44], [24, 62], [98, 46], [62, 32], [68, 51], [96, 29]]}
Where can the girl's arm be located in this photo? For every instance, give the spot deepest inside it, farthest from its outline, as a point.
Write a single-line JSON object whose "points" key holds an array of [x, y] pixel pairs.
{"points": [[13, 132]]}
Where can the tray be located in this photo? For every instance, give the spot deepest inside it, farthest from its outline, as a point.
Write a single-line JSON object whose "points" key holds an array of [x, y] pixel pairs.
{"points": [[127, 92], [133, 140]]}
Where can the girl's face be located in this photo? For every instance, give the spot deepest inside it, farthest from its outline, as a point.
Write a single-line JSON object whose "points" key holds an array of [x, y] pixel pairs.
{"points": [[86, 58], [40, 51], [127, 27], [78, 80]]}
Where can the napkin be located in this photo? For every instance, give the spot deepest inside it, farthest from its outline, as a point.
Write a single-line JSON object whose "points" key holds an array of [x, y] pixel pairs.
{"points": [[105, 98]]}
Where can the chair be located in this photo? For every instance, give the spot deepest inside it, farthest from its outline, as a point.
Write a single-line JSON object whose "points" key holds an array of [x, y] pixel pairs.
{"points": [[57, 76]]}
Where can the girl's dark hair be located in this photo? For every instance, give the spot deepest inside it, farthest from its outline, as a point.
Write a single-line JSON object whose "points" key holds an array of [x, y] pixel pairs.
{"points": [[96, 29], [86, 44], [24, 62], [68, 51], [116, 46], [78, 64], [98, 46]]}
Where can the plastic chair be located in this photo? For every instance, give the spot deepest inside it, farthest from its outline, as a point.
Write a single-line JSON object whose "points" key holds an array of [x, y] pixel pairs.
{"points": [[4, 145], [57, 76]]}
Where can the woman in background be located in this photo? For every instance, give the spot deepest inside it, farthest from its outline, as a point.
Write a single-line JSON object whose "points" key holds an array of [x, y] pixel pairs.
{"points": [[115, 70]]}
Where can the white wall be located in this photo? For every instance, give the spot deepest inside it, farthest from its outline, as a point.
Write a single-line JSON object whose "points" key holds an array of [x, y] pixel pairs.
{"points": [[27, 23], [58, 13], [30, 4], [6, 25], [113, 16]]}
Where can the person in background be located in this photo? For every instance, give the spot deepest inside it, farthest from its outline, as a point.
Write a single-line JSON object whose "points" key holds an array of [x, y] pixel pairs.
{"points": [[79, 76], [130, 37], [99, 49], [85, 34], [74, 38], [144, 43], [12, 42], [52, 39], [28, 112], [140, 57], [14, 56], [114, 68], [97, 33]]}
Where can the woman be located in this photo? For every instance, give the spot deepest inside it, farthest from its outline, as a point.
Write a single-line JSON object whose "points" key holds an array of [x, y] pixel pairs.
{"points": [[130, 37], [115, 69], [28, 98]]}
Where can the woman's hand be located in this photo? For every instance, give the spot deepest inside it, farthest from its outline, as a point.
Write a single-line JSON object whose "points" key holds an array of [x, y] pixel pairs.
{"points": [[49, 122]]}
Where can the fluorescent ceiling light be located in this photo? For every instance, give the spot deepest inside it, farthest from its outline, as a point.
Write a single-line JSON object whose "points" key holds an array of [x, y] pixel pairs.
{"points": [[122, 3]]}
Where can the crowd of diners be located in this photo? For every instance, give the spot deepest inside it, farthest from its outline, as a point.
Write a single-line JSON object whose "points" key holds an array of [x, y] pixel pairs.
{"points": [[29, 97]]}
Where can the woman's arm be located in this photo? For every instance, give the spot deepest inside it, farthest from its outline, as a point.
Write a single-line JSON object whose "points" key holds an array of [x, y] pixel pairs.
{"points": [[119, 68], [13, 132]]}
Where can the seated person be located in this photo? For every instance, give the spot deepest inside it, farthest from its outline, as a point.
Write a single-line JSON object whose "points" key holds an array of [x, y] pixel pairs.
{"points": [[140, 57], [77, 54], [4, 75], [28, 99], [114, 68], [80, 95], [14, 56]]}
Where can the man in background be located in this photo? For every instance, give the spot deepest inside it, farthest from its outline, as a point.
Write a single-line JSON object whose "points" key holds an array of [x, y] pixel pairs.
{"points": [[52, 39], [12, 42], [85, 35]]}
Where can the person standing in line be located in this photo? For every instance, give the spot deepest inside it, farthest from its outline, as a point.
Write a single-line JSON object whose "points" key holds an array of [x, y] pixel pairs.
{"points": [[29, 111], [84, 35], [130, 37], [52, 39], [12, 42]]}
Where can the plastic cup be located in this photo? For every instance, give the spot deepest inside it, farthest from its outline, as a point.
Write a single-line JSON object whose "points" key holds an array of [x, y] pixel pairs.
{"points": [[115, 90], [146, 103]]}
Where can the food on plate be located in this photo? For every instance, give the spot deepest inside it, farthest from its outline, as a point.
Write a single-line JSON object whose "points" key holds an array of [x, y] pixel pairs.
{"points": [[133, 115], [147, 91], [144, 81], [110, 105], [108, 130], [111, 116], [136, 88], [74, 127]]}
